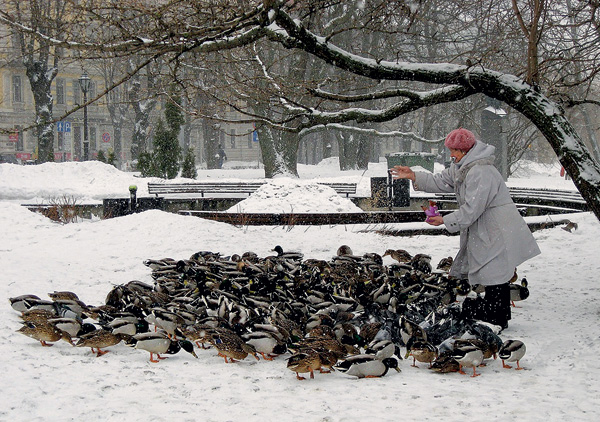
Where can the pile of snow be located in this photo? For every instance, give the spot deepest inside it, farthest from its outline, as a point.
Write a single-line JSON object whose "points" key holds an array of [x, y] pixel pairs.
{"points": [[286, 195]]}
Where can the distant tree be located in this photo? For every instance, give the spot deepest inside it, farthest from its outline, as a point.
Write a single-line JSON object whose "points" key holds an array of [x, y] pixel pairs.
{"points": [[111, 158], [164, 160], [188, 167]]}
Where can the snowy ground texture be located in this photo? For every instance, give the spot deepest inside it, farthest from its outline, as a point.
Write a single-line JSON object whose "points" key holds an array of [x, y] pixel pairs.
{"points": [[558, 323]]}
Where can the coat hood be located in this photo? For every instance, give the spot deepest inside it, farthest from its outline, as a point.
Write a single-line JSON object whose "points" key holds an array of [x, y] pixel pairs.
{"points": [[479, 151]]}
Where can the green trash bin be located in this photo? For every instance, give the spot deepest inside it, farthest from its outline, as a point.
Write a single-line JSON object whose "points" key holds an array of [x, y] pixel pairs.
{"points": [[411, 159]]}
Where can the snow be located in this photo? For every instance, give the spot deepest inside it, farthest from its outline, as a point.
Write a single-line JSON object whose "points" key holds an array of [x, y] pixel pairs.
{"points": [[558, 322]]}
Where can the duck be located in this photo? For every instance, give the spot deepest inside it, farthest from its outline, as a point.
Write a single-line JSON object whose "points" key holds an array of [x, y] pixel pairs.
{"points": [[383, 349], [232, 346], [127, 326], [469, 356], [489, 349], [512, 351], [265, 343], [166, 320], [399, 255], [100, 339], [38, 315], [421, 262], [22, 303], [519, 292], [158, 343], [45, 333], [409, 328], [367, 366], [445, 264], [63, 295], [344, 250], [294, 256], [445, 363], [421, 350], [73, 326], [309, 360]]}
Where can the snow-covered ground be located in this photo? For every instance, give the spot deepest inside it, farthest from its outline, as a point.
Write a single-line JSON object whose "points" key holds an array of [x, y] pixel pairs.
{"points": [[558, 323]]}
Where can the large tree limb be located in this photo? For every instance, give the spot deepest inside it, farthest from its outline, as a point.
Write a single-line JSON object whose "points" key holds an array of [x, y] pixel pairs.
{"points": [[546, 115]]}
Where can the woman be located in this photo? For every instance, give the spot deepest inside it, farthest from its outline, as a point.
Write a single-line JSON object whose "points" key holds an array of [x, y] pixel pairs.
{"points": [[494, 238]]}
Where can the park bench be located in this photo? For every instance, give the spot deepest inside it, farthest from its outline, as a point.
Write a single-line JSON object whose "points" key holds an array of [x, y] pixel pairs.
{"points": [[229, 187]]}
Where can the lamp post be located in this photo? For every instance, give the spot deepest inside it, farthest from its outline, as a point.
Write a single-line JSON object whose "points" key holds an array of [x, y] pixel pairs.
{"points": [[84, 83]]}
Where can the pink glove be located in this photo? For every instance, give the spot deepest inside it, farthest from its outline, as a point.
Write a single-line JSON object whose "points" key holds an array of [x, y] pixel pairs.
{"points": [[431, 210]]}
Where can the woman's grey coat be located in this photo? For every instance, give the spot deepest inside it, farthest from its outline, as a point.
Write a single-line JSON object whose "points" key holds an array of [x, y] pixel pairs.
{"points": [[494, 238]]}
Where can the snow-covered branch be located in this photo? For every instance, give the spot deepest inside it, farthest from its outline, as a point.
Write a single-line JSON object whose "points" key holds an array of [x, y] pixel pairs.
{"points": [[378, 133]]}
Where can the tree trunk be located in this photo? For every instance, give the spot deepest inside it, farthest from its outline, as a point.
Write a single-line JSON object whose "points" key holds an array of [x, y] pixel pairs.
{"points": [[279, 151], [210, 138]]}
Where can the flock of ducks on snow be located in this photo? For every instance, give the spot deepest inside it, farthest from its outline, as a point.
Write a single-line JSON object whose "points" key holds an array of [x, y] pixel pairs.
{"points": [[350, 313]]}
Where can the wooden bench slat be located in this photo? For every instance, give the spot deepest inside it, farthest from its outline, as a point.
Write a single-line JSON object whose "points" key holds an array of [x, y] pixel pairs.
{"points": [[231, 187]]}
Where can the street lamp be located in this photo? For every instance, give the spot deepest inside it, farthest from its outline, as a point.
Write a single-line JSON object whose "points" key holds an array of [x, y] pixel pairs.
{"points": [[84, 83]]}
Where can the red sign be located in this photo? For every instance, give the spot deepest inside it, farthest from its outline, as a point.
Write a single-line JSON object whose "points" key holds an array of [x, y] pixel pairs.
{"points": [[106, 137], [13, 137], [23, 155]]}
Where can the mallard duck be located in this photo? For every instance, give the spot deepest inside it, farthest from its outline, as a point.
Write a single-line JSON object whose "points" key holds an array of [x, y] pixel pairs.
{"points": [[166, 320], [22, 303], [410, 329], [512, 351], [100, 339], [489, 349], [369, 330], [469, 356], [265, 344], [332, 345], [73, 326], [64, 295], [445, 363], [382, 349], [344, 250], [159, 343], [294, 256], [445, 264], [127, 326], [367, 366], [232, 346], [421, 262], [421, 350], [399, 255], [309, 360], [519, 292], [38, 315], [44, 332]]}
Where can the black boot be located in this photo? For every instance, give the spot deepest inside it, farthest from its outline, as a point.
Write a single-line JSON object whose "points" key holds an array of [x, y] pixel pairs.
{"points": [[496, 309]]}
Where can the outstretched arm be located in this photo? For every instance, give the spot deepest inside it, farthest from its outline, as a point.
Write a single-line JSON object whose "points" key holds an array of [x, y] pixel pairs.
{"points": [[402, 172]]}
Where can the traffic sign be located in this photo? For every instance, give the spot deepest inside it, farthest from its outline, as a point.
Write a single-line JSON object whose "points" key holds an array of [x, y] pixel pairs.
{"points": [[63, 126], [106, 137]]}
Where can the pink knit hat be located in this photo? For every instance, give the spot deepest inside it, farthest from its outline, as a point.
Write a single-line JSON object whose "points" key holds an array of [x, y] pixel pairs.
{"points": [[461, 139]]}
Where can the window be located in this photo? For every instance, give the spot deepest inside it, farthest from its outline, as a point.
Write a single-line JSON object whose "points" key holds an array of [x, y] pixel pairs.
{"points": [[17, 89], [232, 138], [60, 91]]}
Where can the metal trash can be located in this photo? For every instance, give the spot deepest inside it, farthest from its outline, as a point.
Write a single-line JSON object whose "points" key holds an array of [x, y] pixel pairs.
{"points": [[411, 159]]}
